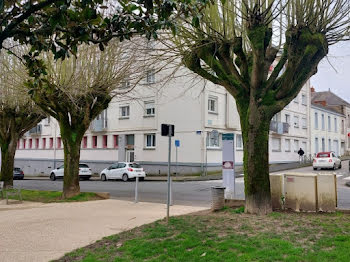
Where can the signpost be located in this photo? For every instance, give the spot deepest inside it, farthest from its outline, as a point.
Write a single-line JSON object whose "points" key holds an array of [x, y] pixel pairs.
{"points": [[168, 130], [177, 144], [228, 165]]}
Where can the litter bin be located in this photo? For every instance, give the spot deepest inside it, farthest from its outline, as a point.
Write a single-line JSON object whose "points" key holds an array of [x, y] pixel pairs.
{"points": [[217, 197]]}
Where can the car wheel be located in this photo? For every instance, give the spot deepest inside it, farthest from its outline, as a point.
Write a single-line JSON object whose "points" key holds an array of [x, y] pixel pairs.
{"points": [[52, 177], [334, 167], [103, 177], [315, 168], [125, 178], [340, 166], [141, 178]]}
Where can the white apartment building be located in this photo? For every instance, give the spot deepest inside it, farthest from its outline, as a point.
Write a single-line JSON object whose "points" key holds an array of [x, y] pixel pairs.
{"points": [[328, 130], [129, 130]]}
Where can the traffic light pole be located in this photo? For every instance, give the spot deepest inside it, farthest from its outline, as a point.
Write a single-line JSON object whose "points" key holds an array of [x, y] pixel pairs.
{"points": [[169, 159]]}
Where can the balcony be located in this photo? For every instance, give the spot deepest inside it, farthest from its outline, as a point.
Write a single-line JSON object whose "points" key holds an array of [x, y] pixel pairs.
{"points": [[279, 127], [35, 130], [98, 125]]}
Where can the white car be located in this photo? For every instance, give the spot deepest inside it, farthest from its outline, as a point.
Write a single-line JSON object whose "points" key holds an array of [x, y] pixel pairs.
{"points": [[84, 172], [123, 171], [326, 160]]}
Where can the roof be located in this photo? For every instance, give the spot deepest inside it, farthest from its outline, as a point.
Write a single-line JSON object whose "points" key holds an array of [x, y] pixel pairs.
{"points": [[319, 106], [330, 98]]}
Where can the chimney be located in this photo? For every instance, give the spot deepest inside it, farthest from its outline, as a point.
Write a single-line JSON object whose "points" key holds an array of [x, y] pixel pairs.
{"points": [[312, 89]]}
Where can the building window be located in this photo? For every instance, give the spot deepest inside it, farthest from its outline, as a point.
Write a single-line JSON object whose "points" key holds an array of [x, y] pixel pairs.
{"points": [[303, 123], [37, 143], [47, 121], [329, 124], [287, 119], [296, 145], [150, 140], [296, 99], [322, 122], [348, 121], [287, 145], [329, 145], [239, 142], [30, 143], [125, 84], [303, 100], [130, 140], [342, 127], [94, 141], [316, 145], [150, 108], [85, 142], [213, 139], [150, 76], [105, 141], [115, 141], [335, 125], [59, 142], [323, 145], [276, 144], [316, 120], [24, 143], [213, 105], [44, 143], [304, 146], [124, 111], [51, 142], [296, 121]]}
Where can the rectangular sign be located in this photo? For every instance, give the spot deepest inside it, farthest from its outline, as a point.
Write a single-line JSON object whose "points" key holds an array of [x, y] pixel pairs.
{"points": [[167, 129], [228, 167], [177, 143]]}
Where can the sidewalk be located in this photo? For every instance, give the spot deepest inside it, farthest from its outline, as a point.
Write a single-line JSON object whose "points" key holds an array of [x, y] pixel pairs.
{"points": [[42, 232]]}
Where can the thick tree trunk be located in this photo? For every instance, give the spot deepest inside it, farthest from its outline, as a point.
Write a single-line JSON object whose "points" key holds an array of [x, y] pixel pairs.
{"points": [[8, 151], [71, 185], [256, 164]]}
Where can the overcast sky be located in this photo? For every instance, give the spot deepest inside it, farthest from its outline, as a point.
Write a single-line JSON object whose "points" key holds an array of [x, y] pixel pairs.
{"points": [[337, 79]]}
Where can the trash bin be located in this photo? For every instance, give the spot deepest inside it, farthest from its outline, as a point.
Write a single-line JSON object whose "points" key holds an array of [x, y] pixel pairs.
{"points": [[217, 198]]}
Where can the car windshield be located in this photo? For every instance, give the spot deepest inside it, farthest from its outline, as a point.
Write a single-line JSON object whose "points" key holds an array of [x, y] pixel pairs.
{"points": [[135, 165], [17, 169], [83, 166], [320, 155]]}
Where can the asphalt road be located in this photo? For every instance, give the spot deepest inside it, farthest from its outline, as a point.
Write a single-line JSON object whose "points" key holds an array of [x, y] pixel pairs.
{"points": [[196, 193]]}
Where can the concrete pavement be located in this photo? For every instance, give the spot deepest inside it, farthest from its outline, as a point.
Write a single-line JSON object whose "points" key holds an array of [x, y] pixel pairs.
{"points": [[42, 232]]}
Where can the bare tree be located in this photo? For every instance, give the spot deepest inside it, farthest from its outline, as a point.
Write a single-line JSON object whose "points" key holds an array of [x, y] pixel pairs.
{"points": [[18, 113], [76, 90], [233, 43]]}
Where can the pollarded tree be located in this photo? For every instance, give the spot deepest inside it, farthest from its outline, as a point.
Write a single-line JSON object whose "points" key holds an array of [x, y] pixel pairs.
{"points": [[234, 43], [18, 113], [76, 90]]}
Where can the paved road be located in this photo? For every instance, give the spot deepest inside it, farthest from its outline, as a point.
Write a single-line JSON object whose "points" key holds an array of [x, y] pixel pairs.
{"points": [[195, 193]]}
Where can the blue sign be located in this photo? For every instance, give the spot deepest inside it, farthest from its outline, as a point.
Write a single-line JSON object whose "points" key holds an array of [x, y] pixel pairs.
{"points": [[177, 143]]}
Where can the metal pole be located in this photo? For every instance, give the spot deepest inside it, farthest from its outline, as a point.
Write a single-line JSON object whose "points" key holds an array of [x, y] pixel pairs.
{"points": [[171, 191], [169, 158], [54, 150], [176, 162], [137, 190]]}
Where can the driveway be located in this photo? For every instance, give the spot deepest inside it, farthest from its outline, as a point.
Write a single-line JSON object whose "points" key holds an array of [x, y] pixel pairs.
{"points": [[42, 232]]}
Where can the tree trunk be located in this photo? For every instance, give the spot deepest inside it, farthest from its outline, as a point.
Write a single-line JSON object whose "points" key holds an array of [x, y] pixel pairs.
{"points": [[8, 151], [71, 185], [255, 132]]}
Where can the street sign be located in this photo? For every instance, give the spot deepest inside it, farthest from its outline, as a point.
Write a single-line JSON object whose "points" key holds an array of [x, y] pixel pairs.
{"points": [[177, 143], [167, 129]]}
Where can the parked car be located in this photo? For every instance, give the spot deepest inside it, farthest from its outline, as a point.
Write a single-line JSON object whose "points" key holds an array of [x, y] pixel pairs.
{"points": [[84, 172], [18, 173], [123, 171], [326, 160]]}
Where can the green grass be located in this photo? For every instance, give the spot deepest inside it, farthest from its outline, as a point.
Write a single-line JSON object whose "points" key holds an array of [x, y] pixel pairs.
{"points": [[228, 236], [53, 196]]}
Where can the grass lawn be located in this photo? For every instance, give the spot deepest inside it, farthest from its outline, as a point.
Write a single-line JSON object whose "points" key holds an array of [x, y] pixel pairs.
{"points": [[53, 196], [228, 236]]}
